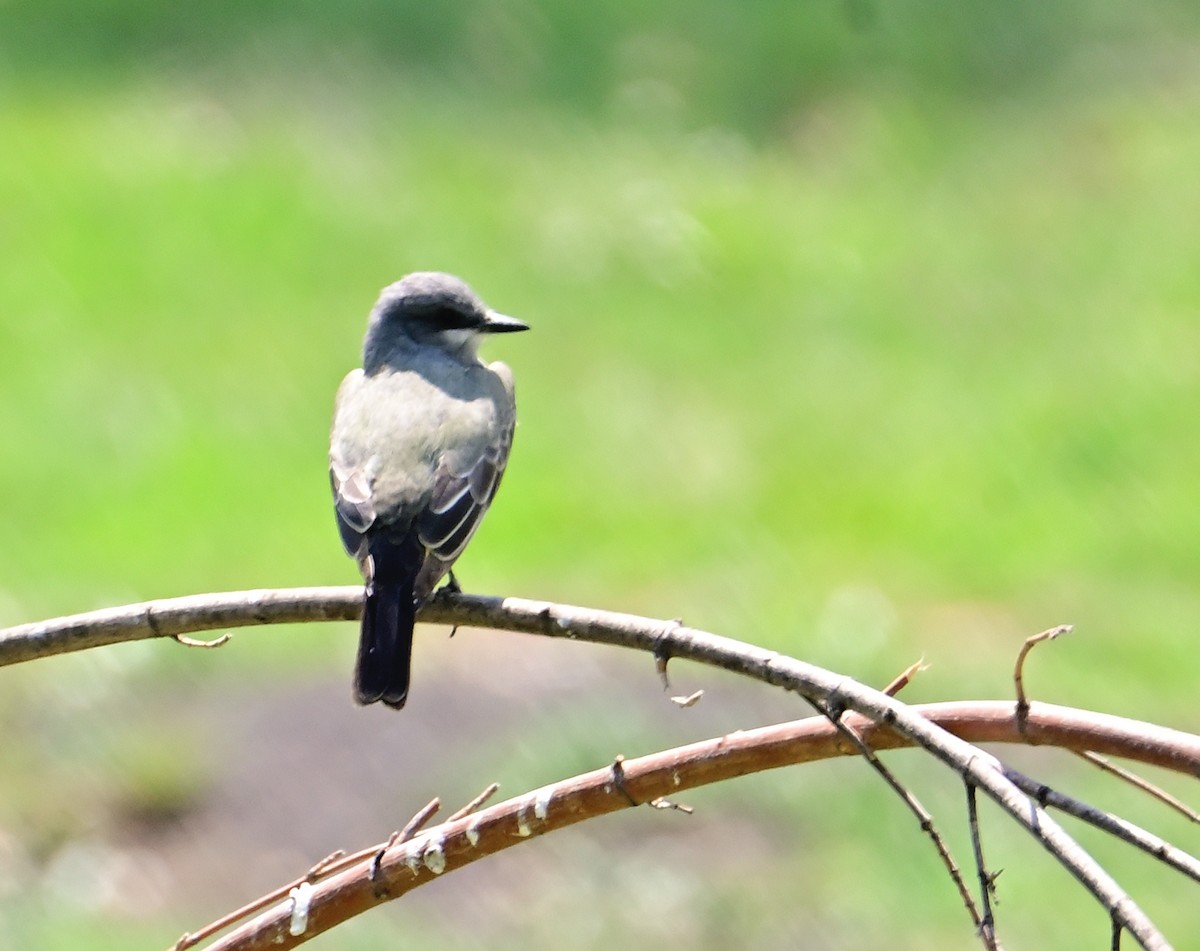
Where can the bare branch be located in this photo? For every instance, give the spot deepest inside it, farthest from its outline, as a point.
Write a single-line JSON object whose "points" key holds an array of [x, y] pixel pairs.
{"points": [[472, 836], [171, 616], [662, 638], [1136, 781], [987, 880], [386, 871], [1120, 828], [924, 820]]}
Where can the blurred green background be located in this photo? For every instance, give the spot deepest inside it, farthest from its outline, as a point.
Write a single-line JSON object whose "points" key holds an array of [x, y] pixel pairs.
{"points": [[864, 331]]}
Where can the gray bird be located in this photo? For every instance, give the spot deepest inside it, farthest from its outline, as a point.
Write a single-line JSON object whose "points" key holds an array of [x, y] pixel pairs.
{"points": [[420, 439]]}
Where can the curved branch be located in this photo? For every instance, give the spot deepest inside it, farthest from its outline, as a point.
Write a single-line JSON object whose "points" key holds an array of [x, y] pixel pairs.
{"points": [[170, 617], [372, 876], [665, 639], [711, 761], [978, 721], [382, 873]]}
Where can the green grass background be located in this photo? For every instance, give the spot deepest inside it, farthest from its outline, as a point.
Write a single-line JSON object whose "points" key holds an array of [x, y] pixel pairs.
{"points": [[862, 331]]}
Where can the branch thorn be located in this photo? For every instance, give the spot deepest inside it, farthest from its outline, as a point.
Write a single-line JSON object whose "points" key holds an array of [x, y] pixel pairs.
{"points": [[662, 802], [206, 645], [475, 803], [905, 677]]}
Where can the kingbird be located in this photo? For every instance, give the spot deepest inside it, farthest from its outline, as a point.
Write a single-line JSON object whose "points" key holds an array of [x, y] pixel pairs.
{"points": [[421, 435]]}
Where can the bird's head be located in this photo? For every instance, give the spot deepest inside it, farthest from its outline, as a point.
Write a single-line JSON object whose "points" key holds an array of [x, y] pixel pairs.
{"points": [[434, 309]]}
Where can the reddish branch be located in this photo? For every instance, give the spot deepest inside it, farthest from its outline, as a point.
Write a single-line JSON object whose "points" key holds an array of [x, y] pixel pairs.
{"points": [[466, 839]]}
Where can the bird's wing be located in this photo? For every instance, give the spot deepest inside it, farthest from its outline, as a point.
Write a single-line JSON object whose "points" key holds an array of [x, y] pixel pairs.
{"points": [[460, 498], [462, 493], [351, 484]]}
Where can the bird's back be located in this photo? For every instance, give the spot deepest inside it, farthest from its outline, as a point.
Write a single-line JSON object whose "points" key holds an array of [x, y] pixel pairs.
{"points": [[397, 426]]}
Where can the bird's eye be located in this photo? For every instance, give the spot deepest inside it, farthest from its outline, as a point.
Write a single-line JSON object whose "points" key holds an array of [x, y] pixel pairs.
{"points": [[448, 318]]}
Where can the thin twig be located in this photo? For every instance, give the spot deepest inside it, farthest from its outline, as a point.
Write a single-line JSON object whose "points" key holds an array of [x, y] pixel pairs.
{"points": [[1019, 670], [322, 867], [330, 865], [1115, 826], [475, 803], [987, 881], [905, 677], [192, 938], [924, 817], [1144, 785], [422, 815]]}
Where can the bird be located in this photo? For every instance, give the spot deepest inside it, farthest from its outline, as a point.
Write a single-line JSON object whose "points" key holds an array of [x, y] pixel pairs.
{"points": [[420, 440]]}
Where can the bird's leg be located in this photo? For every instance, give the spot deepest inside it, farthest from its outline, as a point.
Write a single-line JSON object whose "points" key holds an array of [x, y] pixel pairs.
{"points": [[453, 587]]}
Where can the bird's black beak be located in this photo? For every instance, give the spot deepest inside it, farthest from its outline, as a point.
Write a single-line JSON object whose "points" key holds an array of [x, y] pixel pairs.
{"points": [[501, 324]]}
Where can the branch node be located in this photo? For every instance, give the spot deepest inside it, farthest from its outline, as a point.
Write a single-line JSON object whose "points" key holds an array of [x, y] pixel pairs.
{"points": [[434, 855], [381, 891], [618, 771]]}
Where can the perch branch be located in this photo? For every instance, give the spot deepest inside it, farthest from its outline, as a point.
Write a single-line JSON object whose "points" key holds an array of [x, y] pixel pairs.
{"points": [[661, 638]]}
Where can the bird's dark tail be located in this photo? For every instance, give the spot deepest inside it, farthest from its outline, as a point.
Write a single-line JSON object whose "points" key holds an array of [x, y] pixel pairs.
{"points": [[385, 645]]}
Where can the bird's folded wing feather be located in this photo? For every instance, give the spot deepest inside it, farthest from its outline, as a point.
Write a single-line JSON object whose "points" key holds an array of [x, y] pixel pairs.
{"points": [[351, 485], [460, 498]]}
